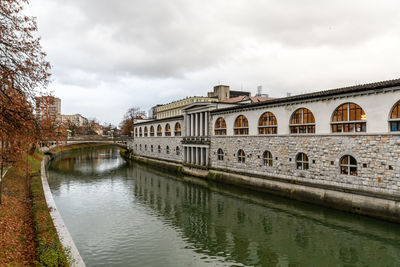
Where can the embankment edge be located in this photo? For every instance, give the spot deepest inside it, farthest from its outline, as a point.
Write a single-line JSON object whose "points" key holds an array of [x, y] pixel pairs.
{"points": [[385, 209]]}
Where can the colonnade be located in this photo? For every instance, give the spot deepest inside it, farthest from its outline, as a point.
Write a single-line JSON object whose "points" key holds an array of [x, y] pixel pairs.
{"points": [[197, 155], [197, 124]]}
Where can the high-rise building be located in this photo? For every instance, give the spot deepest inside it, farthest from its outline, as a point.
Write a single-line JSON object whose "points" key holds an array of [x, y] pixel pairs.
{"points": [[48, 107]]}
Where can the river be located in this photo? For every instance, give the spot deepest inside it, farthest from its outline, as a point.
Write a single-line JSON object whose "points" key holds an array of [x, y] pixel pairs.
{"points": [[126, 214]]}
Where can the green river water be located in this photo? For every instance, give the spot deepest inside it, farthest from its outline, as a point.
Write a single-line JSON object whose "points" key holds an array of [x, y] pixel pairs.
{"points": [[125, 214]]}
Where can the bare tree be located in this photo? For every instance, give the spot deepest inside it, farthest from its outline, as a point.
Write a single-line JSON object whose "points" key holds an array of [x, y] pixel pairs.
{"points": [[129, 119], [23, 71]]}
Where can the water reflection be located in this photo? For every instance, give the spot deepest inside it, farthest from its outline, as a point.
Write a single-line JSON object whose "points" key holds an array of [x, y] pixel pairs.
{"points": [[124, 214]]}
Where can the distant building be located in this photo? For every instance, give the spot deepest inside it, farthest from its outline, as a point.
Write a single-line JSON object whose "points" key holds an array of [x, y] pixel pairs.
{"points": [[153, 112], [98, 129], [48, 107], [76, 119], [238, 93], [222, 92], [175, 108]]}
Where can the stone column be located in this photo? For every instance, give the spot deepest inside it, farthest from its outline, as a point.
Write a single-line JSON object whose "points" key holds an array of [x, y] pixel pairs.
{"points": [[206, 123], [201, 157], [207, 151], [195, 125], [187, 123], [191, 124], [201, 124]]}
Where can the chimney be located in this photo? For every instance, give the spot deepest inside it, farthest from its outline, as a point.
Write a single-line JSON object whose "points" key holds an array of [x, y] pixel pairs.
{"points": [[259, 90]]}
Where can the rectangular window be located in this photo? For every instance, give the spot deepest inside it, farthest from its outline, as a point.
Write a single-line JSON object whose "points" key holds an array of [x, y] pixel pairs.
{"points": [[394, 126]]}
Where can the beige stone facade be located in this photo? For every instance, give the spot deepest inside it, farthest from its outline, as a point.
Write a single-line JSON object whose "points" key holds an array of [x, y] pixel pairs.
{"points": [[175, 108], [76, 119]]}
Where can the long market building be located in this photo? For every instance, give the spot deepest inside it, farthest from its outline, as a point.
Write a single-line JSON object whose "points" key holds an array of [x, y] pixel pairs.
{"points": [[343, 140]]}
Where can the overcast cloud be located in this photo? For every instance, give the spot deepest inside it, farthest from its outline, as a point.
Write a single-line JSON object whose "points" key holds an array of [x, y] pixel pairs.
{"points": [[110, 55]]}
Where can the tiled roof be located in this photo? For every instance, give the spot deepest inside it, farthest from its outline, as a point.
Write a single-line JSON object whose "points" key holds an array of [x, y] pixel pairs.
{"points": [[234, 99], [256, 99], [326, 93], [253, 99]]}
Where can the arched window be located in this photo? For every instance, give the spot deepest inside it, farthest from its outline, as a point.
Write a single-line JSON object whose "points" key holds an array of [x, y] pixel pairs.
{"points": [[178, 129], [151, 130], [167, 150], [267, 159], [167, 130], [348, 165], [136, 131], [136, 146], [140, 147], [178, 151], [220, 127], [302, 122], [159, 130], [302, 161], [395, 118], [145, 147], [140, 131], [151, 148], [159, 149], [145, 131], [241, 156], [241, 126], [267, 124], [349, 118], [220, 154]]}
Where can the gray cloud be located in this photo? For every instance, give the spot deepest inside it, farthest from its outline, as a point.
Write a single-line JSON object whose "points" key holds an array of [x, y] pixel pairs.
{"points": [[110, 55]]}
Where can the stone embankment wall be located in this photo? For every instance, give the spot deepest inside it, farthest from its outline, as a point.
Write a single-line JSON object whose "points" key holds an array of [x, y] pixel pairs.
{"points": [[374, 191], [378, 160], [62, 231]]}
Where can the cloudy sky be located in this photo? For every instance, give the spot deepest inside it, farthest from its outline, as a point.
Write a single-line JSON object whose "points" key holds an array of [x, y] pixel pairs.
{"points": [[108, 56]]}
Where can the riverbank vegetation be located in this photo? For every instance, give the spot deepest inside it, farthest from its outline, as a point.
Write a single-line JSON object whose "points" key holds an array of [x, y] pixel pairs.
{"points": [[49, 248], [28, 236]]}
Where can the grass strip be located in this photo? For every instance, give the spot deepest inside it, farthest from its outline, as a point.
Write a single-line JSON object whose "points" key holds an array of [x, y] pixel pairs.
{"points": [[49, 248]]}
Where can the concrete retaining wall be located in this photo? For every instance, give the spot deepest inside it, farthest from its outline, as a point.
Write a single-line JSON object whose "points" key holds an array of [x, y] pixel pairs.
{"points": [[63, 233]]}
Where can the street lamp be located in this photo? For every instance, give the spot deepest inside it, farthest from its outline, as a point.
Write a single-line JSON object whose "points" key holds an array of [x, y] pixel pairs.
{"points": [[68, 134], [112, 134]]}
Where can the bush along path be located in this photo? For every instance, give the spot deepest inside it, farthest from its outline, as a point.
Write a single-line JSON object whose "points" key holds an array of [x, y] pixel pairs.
{"points": [[27, 234]]}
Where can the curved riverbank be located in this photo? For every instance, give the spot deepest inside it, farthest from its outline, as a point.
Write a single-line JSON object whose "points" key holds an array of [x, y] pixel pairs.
{"points": [[29, 237], [385, 209], [62, 231], [55, 246]]}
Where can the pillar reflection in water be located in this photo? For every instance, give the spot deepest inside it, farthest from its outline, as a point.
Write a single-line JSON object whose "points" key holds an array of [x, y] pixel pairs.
{"points": [[254, 230]]}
